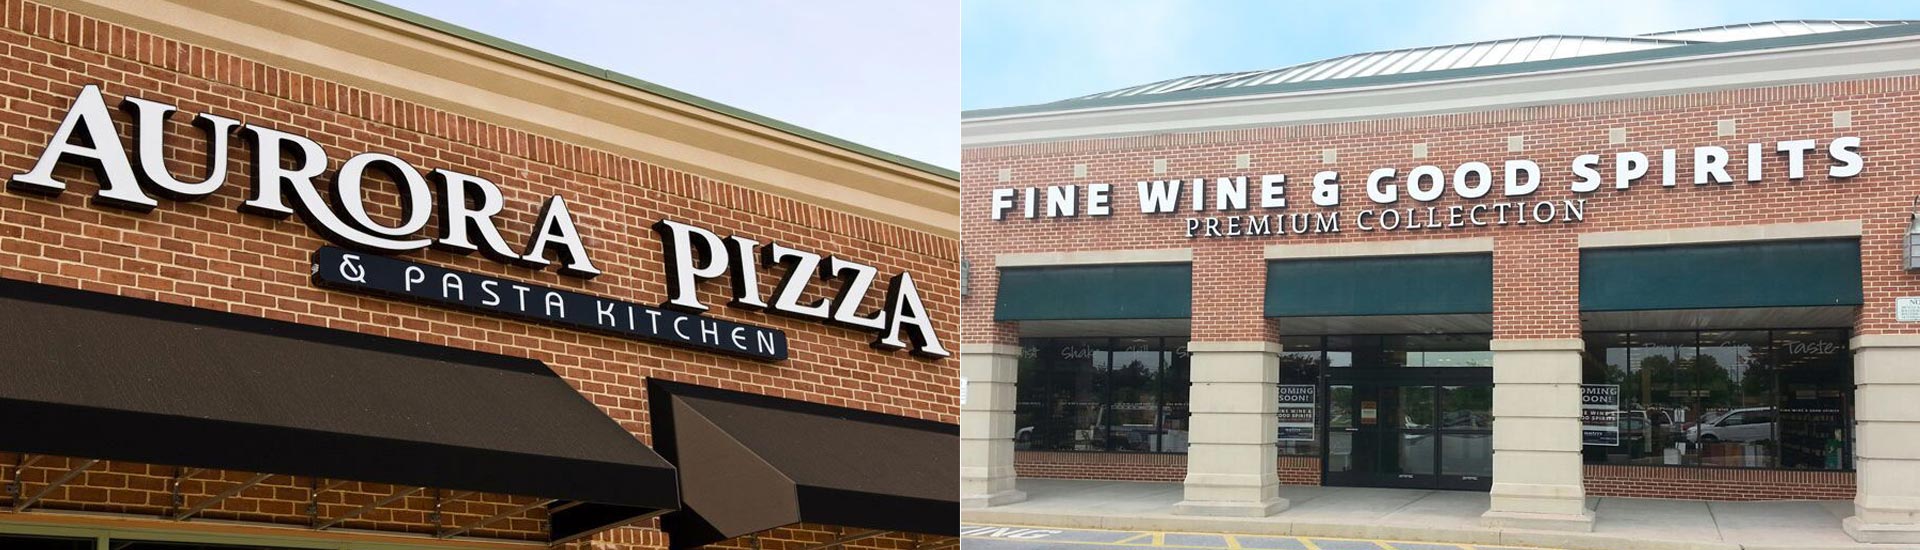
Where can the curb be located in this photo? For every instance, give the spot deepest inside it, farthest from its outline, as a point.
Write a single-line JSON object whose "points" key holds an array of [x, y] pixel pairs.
{"points": [[1401, 532]]}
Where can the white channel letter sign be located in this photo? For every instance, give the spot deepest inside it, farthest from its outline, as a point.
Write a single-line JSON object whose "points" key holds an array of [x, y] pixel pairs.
{"points": [[695, 254], [1498, 194], [288, 169]]}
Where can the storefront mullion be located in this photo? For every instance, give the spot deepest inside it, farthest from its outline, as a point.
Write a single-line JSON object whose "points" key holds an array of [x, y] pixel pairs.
{"points": [[1160, 411]]}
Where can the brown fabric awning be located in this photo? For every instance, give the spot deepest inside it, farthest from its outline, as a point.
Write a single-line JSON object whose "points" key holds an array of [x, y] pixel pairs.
{"points": [[100, 376], [751, 462]]}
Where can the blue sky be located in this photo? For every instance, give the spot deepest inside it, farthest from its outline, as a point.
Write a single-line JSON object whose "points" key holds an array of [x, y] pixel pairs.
{"points": [[1020, 52], [882, 73]]}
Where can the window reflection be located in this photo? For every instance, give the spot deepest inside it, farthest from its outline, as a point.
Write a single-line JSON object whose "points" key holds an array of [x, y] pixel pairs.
{"points": [[1103, 394], [1740, 399]]}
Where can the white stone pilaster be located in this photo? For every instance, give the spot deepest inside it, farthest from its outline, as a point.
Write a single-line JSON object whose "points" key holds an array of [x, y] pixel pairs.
{"points": [[1231, 459], [1537, 472], [987, 425], [1886, 377]]}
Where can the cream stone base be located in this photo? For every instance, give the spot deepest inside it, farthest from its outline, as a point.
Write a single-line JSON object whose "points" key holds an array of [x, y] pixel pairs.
{"points": [[1886, 507], [1231, 461], [1900, 533], [1552, 514], [1231, 509], [1536, 437], [1581, 522], [976, 502], [986, 425]]}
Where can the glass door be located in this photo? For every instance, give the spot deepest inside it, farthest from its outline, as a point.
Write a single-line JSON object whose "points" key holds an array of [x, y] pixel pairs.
{"points": [[1381, 435], [1411, 434], [1465, 434]]}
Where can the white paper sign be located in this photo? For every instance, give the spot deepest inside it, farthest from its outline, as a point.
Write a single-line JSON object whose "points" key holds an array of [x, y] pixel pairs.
{"points": [[963, 390], [1907, 310]]}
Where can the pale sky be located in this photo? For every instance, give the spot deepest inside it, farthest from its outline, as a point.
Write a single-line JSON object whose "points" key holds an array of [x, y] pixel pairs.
{"points": [[1022, 52], [881, 73]]}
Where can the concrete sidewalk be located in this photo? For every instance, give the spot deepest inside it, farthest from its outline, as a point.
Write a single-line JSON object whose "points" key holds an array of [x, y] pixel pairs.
{"points": [[1439, 516]]}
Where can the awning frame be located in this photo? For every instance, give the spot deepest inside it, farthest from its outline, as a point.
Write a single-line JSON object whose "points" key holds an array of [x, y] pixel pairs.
{"points": [[143, 417], [813, 499]]}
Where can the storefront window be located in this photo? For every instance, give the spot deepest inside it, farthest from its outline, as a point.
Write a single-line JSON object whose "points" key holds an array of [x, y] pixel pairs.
{"points": [[1301, 359], [1816, 399], [1449, 350], [1737, 399], [1103, 394], [1466, 409], [1175, 383], [1135, 407]]}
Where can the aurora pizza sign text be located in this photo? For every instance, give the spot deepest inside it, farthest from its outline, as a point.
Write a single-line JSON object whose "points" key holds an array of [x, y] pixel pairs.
{"points": [[286, 174]]}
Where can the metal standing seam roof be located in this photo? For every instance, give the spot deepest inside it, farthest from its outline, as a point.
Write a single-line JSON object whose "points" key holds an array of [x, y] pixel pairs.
{"points": [[1491, 53]]}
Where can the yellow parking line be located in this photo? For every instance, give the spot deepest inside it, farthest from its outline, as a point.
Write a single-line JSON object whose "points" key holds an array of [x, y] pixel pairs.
{"points": [[1132, 539], [1232, 542], [1159, 539], [1309, 543]]}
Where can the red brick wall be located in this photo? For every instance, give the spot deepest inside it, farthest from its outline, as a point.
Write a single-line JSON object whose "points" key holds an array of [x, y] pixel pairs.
{"points": [[1536, 282], [1293, 470], [146, 489], [1108, 466], [1536, 279], [1299, 470], [1717, 483], [207, 254], [807, 535]]}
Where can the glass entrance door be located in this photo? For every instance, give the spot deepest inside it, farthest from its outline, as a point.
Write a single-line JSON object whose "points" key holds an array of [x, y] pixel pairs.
{"points": [[1411, 428]]}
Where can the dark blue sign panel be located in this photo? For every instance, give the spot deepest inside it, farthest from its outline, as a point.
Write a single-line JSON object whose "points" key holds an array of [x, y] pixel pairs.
{"points": [[342, 269]]}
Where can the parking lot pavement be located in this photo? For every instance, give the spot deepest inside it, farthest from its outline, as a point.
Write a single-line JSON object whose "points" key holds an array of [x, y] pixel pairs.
{"points": [[1000, 537]]}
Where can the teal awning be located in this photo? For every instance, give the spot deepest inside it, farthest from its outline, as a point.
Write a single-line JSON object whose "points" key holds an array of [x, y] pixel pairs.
{"points": [[1769, 274], [1135, 291], [1383, 285]]}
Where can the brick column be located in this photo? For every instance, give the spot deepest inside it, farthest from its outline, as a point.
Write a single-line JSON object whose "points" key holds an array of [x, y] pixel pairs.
{"points": [[987, 425], [1886, 377], [1536, 436], [1231, 460], [1537, 471]]}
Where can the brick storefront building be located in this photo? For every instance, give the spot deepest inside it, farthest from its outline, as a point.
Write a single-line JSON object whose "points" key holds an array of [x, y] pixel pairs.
{"points": [[190, 364], [1412, 268]]}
